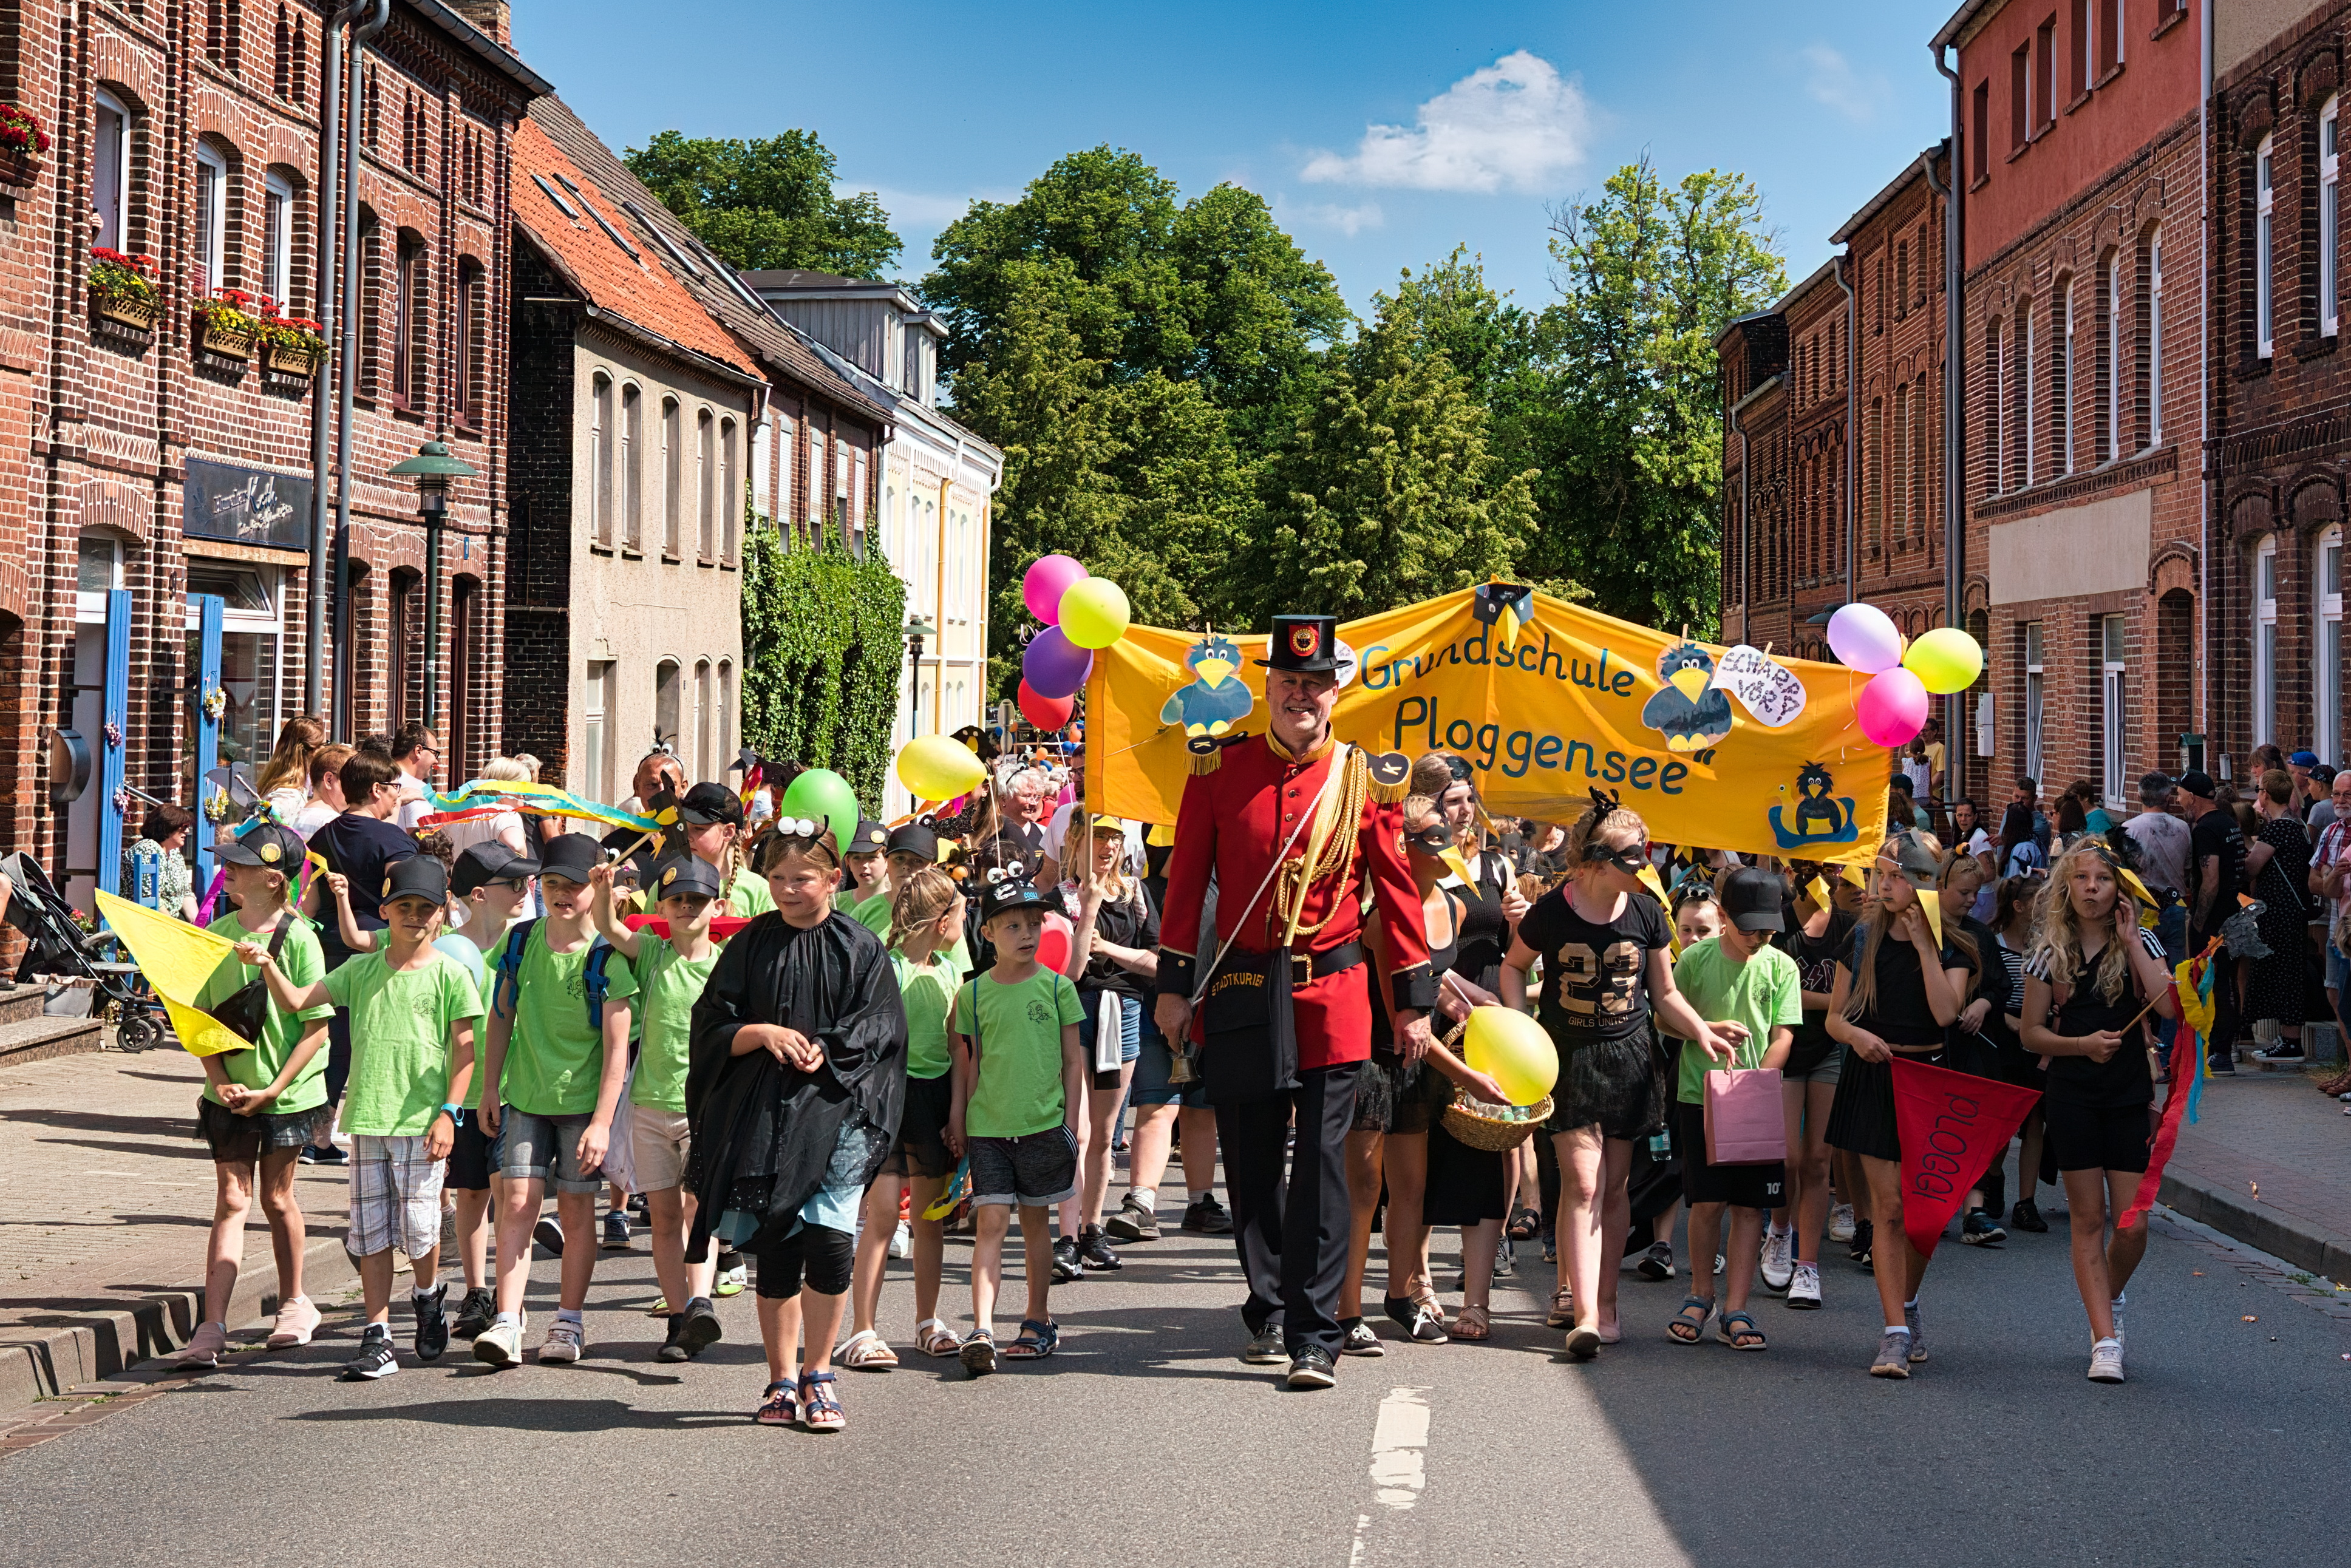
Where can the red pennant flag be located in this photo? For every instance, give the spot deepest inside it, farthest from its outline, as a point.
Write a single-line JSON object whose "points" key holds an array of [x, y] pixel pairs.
{"points": [[1952, 1126]]}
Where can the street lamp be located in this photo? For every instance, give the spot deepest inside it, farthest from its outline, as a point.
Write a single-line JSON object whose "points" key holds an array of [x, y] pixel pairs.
{"points": [[433, 468], [915, 630]]}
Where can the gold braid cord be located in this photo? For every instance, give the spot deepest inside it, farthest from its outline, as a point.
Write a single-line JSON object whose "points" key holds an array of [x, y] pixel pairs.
{"points": [[1294, 881]]}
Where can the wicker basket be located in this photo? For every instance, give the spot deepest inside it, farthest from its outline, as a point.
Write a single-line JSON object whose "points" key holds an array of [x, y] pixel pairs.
{"points": [[1496, 1129]]}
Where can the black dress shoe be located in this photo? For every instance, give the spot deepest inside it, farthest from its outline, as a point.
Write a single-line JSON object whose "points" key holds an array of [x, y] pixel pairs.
{"points": [[1311, 1368]]}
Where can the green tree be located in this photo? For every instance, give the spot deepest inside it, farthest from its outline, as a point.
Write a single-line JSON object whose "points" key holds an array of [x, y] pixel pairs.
{"points": [[1630, 442], [768, 203]]}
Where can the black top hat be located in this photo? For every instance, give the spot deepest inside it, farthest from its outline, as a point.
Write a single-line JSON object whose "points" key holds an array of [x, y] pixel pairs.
{"points": [[1305, 645], [417, 876], [279, 849]]}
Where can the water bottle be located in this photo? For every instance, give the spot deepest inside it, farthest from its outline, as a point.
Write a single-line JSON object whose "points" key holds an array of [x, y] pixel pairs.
{"points": [[1661, 1144]]}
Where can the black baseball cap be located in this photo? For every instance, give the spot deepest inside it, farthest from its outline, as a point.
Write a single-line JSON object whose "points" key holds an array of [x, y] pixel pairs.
{"points": [[914, 839], [871, 839], [417, 876], [486, 862], [1005, 893], [2198, 783], [684, 874], [269, 845], [707, 803], [1750, 898], [571, 856]]}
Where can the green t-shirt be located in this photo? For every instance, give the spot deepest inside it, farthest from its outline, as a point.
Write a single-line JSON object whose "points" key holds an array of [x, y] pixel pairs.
{"points": [[302, 962], [400, 1039], [1019, 1087], [670, 986], [748, 895], [556, 1059], [928, 991], [875, 915], [1764, 993]]}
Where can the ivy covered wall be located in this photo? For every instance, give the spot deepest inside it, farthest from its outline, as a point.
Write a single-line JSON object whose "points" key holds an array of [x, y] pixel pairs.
{"points": [[822, 648]]}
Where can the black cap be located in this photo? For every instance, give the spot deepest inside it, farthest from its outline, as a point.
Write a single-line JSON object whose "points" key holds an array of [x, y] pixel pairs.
{"points": [[417, 876], [1750, 898], [1305, 645], [2198, 783], [915, 838], [682, 874], [571, 856], [269, 845], [707, 803], [871, 839], [486, 862], [1007, 893]]}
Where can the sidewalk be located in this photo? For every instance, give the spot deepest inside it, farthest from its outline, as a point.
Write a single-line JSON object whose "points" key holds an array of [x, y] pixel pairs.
{"points": [[2270, 1165], [105, 1195]]}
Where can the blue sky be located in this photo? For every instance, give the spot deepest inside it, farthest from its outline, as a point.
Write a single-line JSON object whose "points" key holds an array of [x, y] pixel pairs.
{"points": [[1382, 134]]}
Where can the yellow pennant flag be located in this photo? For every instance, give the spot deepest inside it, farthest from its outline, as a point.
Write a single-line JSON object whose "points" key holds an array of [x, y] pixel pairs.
{"points": [[1932, 903], [177, 959]]}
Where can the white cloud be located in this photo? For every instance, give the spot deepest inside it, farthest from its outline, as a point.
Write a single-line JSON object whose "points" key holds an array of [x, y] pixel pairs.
{"points": [[922, 208], [1834, 83], [1348, 220], [1517, 124]]}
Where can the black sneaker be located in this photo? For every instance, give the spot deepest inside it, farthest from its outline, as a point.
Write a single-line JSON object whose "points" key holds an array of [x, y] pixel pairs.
{"points": [[701, 1328], [1360, 1340], [1862, 1239], [1311, 1368], [2223, 1066], [1066, 1266], [1206, 1217], [2026, 1215], [376, 1357], [1981, 1230], [1134, 1221], [673, 1348], [475, 1313], [2283, 1052], [1658, 1262], [432, 1322], [1095, 1255], [548, 1234], [332, 1155]]}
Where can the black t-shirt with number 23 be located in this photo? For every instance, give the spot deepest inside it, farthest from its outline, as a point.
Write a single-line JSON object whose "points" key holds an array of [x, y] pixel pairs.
{"points": [[1595, 976]]}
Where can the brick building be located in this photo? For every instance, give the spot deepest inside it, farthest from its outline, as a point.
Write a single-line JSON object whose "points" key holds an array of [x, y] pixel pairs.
{"points": [[156, 481]]}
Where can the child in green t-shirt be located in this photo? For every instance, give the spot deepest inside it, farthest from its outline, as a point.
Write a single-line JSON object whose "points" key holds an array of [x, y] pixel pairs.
{"points": [[261, 1104], [489, 886], [671, 972], [862, 875], [1019, 1068], [558, 1058], [914, 846], [1751, 994], [412, 1011]]}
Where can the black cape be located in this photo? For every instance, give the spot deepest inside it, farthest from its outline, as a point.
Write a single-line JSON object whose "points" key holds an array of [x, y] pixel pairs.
{"points": [[763, 1132]]}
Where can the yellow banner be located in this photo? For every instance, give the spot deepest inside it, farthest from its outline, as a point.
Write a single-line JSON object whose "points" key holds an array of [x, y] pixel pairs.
{"points": [[1727, 748], [177, 959]]}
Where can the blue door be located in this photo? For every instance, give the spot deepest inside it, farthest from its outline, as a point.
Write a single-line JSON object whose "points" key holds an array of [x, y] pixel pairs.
{"points": [[207, 722]]}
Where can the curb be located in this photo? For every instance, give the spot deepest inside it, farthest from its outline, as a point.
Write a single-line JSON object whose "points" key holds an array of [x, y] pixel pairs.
{"points": [[2297, 1241], [96, 1341]]}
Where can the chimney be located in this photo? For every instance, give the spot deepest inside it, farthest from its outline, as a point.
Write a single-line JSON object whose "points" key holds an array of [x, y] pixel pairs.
{"points": [[490, 17]]}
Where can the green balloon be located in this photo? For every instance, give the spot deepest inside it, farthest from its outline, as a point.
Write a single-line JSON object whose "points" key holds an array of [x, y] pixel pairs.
{"points": [[821, 794]]}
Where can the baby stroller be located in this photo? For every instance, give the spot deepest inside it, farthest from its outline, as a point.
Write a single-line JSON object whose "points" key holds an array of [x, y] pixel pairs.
{"points": [[56, 944]]}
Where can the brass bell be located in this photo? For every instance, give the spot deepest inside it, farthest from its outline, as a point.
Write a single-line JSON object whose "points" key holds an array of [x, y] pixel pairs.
{"points": [[1180, 1069]]}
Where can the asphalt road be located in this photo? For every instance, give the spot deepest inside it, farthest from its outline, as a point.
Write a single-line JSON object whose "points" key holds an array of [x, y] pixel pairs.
{"points": [[1145, 1442]]}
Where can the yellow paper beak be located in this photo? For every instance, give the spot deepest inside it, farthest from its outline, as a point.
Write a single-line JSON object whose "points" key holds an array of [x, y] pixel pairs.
{"points": [[1856, 875], [1690, 681], [1932, 903], [1818, 892], [1508, 627], [1458, 866], [1212, 671]]}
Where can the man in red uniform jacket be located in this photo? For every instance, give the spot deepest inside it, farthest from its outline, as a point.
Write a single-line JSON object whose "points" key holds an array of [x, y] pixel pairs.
{"points": [[1295, 826]]}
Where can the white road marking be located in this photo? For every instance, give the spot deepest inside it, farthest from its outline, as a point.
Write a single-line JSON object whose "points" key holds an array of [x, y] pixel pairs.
{"points": [[1399, 1455]]}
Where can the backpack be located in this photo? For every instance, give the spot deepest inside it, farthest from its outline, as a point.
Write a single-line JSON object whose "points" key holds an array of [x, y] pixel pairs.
{"points": [[509, 969]]}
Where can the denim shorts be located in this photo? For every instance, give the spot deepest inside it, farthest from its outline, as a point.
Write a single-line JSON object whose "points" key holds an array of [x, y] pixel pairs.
{"points": [[2338, 969], [531, 1148], [1130, 1043], [1153, 1066]]}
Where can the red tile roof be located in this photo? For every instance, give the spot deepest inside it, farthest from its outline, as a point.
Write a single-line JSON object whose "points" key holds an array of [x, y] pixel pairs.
{"points": [[640, 289]]}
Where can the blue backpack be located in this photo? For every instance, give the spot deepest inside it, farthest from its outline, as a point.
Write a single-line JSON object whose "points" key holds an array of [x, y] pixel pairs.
{"points": [[509, 969]]}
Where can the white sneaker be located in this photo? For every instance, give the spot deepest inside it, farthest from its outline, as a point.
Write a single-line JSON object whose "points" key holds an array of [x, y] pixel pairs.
{"points": [[2106, 1361], [1804, 1287], [562, 1343], [298, 1319], [1841, 1222], [500, 1344], [205, 1348], [902, 1240], [1779, 1257]]}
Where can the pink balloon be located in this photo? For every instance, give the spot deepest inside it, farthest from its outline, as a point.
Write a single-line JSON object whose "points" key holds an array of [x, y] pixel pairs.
{"points": [[1864, 638], [1048, 578], [1892, 709], [1053, 946]]}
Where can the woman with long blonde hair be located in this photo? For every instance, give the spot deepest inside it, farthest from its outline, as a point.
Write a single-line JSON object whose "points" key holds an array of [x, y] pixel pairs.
{"points": [[285, 781], [1113, 960]]}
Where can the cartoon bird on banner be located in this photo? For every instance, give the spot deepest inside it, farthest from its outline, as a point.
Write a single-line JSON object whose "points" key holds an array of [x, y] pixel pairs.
{"points": [[1506, 607], [1691, 717], [1215, 700]]}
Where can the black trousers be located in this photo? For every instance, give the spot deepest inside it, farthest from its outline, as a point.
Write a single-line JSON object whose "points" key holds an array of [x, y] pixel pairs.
{"points": [[1290, 1227]]}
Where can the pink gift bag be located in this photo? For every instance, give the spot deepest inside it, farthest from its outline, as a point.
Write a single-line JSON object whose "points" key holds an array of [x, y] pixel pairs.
{"points": [[1745, 1123]]}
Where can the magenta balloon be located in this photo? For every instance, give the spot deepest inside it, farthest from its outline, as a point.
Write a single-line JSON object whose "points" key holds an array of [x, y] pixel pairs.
{"points": [[1864, 638], [1892, 709], [1056, 667], [1048, 578]]}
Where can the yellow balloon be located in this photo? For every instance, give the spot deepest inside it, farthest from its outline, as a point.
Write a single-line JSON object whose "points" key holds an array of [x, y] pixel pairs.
{"points": [[1513, 1051], [936, 769], [1095, 612], [1946, 660]]}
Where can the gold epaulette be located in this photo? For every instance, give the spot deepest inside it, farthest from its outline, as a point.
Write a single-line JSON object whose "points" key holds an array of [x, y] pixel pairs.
{"points": [[1207, 753], [1389, 776]]}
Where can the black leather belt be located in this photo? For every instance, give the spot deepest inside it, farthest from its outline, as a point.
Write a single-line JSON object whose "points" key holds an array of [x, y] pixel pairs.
{"points": [[1305, 968]]}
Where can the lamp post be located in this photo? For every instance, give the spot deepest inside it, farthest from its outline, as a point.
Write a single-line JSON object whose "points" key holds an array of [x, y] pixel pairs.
{"points": [[915, 629], [433, 468]]}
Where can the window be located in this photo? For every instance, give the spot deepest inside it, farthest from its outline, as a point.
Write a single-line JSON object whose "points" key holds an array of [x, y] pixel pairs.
{"points": [[372, 110], [282, 74], [277, 239], [2029, 395], [2060, 391], [600, 469], [2119, 25], [726, 711], [458, 716], [467, 308], [672, 458], [597, 748], [1873, 462], [2330, 223], [665, 700], [2020, 97], [2032, 698], [1979, 133], [632, 478], [730, 490], [405, 599], [2079, 66], [1902, 444], [1901, 279], [705, 479], [223, 20], [371, 305], [212, 220], [1995, 392], [407, 325], [2265, 634], [2326, 684], [2111, 634], [2110, 369], [2150, 388], [2045, 77], [109, 174], [2264, 231]]}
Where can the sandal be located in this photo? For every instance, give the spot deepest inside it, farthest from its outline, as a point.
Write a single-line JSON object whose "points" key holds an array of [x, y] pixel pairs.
{"points": [[1685, 1329], [1748, 1337], [866, 1351], [980, 1353], [1472, 1325], [781, 1405], [1563, 1309], [819, 1411], [933, 1337], [1524, 1225], [1036, 1341]]}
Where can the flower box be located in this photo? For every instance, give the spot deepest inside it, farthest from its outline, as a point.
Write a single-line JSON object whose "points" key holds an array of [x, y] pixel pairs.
{"points": [[299, 361], [223, 341], [125, 310], [19, 168]]}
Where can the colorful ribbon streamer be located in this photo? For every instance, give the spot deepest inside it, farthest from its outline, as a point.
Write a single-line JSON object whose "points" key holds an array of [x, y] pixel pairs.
{"points": [[547, 799], [2191, 986]]}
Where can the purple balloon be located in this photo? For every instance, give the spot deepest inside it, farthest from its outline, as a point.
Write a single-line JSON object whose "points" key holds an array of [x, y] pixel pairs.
{"points": [[1055, 666]]}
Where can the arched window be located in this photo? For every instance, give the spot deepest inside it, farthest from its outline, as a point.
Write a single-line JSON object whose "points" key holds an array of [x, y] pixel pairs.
{"points": [[600, 473], [730, 491], [408, 318], [2110, 366], [2061, 387], [705, 478], [212, 220], [726, 746], [2150, 360], [2027, 397], [702, 719], [2265, 636], [467, 309], [278, 239], [632, 498], [2327, 648], [2330, 220], [671, 456], [665, 701], [110, 172], [2264, 247]]}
